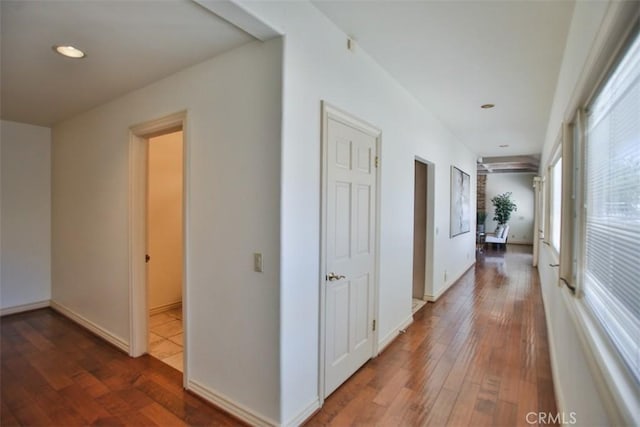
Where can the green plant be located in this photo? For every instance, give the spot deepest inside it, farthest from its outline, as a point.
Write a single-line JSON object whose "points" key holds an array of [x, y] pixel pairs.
{"points": [[481, 216], [503, 207]]}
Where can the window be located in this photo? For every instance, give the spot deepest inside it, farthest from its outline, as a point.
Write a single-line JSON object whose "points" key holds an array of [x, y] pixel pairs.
{"points": [[611, 252]]}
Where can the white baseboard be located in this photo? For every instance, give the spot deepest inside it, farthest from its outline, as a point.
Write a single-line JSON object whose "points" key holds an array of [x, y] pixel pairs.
{"points": [[304, 414], [88, 324], [445, 288], [237, 410], [24, 307], [165, 307], [388, 339]]}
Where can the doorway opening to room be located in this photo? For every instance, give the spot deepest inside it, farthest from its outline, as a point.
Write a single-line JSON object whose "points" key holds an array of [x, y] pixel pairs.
{"points": [[157, 240], [422, 238], [164, 255]]}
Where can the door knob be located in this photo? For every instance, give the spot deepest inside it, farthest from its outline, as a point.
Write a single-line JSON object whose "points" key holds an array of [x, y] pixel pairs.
{"points": [[333, 276]]}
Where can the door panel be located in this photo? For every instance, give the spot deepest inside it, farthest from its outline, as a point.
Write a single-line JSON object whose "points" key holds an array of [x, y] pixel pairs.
{"points": [[350, 207]]}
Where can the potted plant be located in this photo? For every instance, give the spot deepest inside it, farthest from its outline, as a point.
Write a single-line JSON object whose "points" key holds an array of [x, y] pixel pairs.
{"points": [[503, 207], [481, 216]]}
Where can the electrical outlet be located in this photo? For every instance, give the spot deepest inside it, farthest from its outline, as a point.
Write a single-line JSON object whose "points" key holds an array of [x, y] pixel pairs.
{"points": [[257, 262]]}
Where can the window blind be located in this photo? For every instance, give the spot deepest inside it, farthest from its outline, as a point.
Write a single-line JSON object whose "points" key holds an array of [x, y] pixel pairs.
{"points": [[612, 207]]}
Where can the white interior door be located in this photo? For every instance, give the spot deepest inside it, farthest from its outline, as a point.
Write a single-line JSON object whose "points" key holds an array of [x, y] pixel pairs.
{"points": [[350, 249]]}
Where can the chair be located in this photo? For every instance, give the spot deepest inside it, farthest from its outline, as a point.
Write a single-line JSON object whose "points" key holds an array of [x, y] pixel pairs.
{"points": [[499, 237]]}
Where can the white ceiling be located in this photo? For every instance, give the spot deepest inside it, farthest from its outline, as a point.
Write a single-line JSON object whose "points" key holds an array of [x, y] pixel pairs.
{"points": [[129, 44], [452, 55], [457, 55]]}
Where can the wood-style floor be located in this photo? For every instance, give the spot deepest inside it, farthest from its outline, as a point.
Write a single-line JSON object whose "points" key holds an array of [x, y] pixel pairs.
{"points": [[478, 356], [54, 373]]}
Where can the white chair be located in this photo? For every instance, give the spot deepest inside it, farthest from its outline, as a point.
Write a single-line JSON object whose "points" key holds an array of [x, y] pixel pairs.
{"points": [[499, 237]]}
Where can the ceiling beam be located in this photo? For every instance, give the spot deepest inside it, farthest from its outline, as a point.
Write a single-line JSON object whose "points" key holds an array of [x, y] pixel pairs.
{"points": [[232, 12]]}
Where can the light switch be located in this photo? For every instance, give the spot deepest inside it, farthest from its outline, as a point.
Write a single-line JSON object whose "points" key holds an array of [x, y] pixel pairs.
{"points": [[257, 262]]}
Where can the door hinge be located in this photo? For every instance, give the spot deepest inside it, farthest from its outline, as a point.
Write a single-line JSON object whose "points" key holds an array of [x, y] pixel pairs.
{"points": [[377, 161], [374, 324]]}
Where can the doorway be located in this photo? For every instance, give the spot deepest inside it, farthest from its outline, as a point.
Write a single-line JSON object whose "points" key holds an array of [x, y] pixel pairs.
{"points": [[424, 231], [419, 234], [164, 255], [146, 248]]}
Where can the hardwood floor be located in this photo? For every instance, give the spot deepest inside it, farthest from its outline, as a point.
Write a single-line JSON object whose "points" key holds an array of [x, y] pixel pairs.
{"points": [[478, 356], [54, 373]]}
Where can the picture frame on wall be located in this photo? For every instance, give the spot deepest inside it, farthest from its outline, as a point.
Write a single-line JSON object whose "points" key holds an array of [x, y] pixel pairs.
{"points": [[460, 221]]}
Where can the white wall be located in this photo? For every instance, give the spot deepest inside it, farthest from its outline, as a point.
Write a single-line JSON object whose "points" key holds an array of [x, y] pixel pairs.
{"points": [[25, 256], [233, 105], [521, 222], [319, 67], [164, 220], [578, 381]]}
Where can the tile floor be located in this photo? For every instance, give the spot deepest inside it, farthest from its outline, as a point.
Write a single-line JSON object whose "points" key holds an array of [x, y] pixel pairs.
{"points": [[165, 337]]}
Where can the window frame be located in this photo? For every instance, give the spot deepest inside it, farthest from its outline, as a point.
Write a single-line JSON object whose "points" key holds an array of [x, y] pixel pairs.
{"points": [[549, 196]]}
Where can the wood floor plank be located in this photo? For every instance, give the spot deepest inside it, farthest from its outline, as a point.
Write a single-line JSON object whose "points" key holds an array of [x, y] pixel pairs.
{"points": [[464, 405], [398, 408], [55, 373], [389, 391], [161, 416], [442, 408], [506, 414], [6, 416]]}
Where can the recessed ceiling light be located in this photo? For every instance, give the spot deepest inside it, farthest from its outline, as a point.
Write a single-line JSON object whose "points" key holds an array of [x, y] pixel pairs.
{"points": [[69, 51], [503, 145], [487, 106]]}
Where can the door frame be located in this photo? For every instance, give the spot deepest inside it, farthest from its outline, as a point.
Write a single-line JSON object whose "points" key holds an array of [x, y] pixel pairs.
{"points": [[427, 295], [430, 228], [138, 292], [329, 111]]}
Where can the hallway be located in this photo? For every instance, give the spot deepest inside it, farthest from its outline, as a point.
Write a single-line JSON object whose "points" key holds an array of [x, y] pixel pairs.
{"points": [[479, 356]]}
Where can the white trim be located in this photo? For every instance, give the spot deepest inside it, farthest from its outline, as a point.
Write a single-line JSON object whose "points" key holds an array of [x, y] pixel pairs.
{"points": [[234, 408], [164, 307], [305, 414], [388, 339], [445, 288], [24, 307], [520, 242], [137, 246], [558, 391], [119, 342], [615, 384], [138, 301], [327, 111], [430, 225]]}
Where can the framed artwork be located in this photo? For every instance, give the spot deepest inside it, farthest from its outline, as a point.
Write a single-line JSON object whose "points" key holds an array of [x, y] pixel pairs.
{"points": [[460, 221]]}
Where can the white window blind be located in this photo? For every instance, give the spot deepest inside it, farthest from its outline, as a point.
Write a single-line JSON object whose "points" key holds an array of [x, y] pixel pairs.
{"points": [[612, 210]]}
